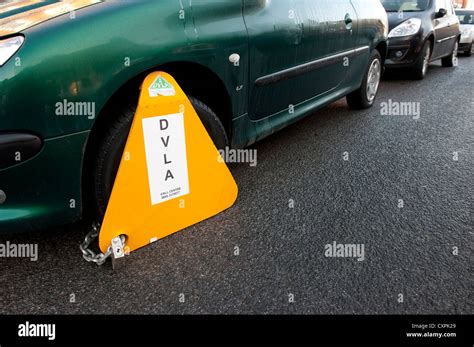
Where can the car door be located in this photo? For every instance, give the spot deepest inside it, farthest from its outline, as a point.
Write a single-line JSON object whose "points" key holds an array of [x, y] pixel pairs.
{"points": [[296, 51], [453, 27], [441, 30]]}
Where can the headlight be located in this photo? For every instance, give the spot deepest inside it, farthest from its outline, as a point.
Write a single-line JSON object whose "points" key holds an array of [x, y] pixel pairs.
{"points": [[407, 28], [466, 32], [8, 47]]}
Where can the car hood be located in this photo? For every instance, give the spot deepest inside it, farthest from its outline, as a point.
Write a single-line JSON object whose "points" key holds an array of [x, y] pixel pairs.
{"points": [[19, 15], [395, 18], [467, 26]]}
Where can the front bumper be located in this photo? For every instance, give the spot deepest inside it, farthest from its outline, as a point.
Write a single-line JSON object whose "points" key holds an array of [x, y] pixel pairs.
{"points": [[16, 148], [465, 45], [404, 51], [44, 191]]}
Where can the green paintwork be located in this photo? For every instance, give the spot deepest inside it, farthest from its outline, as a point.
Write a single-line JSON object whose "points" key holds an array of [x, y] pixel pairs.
{"points": [[44, 191], [86, 60]]}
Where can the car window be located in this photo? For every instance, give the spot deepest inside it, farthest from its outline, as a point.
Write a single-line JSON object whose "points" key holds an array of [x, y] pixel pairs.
{"points": [[405, 5], [466, 18]]}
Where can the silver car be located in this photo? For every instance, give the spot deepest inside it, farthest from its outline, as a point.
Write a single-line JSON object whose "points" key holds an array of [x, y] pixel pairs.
{"points": [[466, 19]]}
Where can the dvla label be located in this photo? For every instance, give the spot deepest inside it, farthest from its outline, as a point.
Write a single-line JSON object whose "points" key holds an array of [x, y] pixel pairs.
{"points": [[165, 148], [161, 87]]}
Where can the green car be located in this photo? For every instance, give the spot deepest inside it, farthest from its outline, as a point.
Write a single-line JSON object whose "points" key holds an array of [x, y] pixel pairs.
{"points": [[71, 72]]}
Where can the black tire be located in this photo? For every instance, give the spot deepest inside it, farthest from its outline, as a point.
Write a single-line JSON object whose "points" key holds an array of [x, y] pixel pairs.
{"points": [[111, 148], [450, 59], [359, 100], [468, 53], [421, 67]]}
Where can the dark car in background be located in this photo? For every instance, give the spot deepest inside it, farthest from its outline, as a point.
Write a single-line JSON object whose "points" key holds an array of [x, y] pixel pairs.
{"points": [[466, 19], [421, 31]]}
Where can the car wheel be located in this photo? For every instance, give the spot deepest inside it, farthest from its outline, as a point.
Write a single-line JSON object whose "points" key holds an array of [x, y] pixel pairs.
{"points": [[468, 53], [451, 60], [421, 67], [113, 144], [365, 96]]}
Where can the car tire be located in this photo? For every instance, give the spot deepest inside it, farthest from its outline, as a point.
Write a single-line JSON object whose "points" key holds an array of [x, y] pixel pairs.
{"points": [[449, 61], [468, 53], [113, 143], [364, 98], [421, 67]]}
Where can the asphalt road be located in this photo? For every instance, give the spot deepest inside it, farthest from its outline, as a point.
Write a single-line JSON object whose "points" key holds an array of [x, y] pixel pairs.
{"points": [[408, 250]]}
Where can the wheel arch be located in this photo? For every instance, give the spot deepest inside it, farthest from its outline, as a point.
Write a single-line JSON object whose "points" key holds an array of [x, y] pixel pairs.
{"points": [[431, 38], [382, 47]]}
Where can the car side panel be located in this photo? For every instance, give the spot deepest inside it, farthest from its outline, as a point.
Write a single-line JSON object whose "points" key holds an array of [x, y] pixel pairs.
{"points": [[285, 37], [441, 32], [87, 59], [369, 29], [90, 57]]}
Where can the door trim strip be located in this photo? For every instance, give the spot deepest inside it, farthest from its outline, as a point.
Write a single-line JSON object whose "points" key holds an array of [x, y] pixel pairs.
{"points": [[308, 67], [446, 39]]}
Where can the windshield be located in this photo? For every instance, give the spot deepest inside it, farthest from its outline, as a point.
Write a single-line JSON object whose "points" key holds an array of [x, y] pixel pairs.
{"points": [[405, 5], [466, 17]]}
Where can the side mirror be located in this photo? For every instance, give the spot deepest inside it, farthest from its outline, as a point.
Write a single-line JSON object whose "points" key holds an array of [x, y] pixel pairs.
{"points": [[441, 13]]}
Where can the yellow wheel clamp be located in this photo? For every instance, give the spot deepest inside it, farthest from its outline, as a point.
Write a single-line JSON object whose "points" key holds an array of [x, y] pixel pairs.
{"points": [[171, 175]]}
